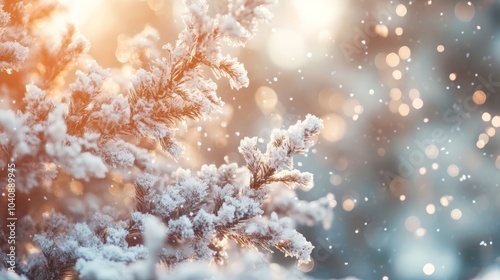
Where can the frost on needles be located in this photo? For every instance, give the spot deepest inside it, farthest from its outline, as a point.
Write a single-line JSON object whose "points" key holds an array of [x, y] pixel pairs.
{"points": [[82, 130]]}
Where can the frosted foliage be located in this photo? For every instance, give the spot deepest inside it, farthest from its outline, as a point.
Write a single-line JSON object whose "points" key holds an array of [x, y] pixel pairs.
{"points": [[284, 202], [113, 113], [147, 180], [90, 82], [4, 17], [82, 164], [181, 227], [284, 237], [274, 165], [118, 154], [241, 22], [77, 143], [164, 93], [12, 53], [211, 202], [11, 134]]}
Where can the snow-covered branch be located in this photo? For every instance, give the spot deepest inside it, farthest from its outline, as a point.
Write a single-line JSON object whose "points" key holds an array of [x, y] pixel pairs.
{"points": [[85, 130]]}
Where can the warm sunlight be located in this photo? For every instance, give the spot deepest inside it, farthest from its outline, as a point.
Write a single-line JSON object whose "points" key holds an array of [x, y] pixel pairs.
{"points": [[249, 139], [316, 15]]}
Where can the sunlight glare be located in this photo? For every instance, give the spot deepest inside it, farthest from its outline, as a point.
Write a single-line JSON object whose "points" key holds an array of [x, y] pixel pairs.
{"points": [[316, 14], [80, 12]]}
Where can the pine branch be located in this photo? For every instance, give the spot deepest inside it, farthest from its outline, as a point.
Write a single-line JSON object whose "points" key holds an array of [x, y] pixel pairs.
{"points": [[141, 204]]}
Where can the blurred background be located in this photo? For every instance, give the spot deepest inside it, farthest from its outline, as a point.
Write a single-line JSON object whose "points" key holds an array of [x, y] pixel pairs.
{"points": [[409, 95]]}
